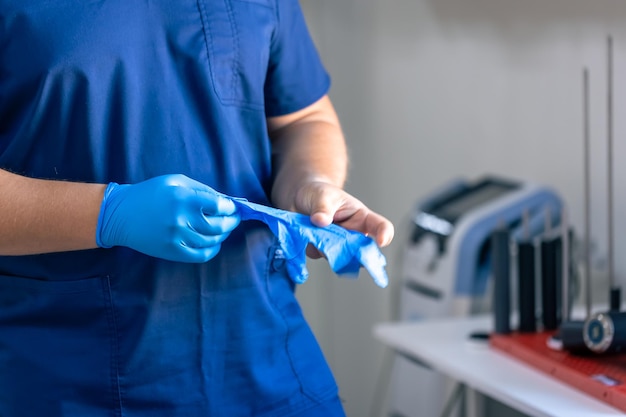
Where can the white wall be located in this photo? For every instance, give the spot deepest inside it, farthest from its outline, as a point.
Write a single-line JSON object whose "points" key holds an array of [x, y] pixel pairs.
{"points": [[433, 89]]}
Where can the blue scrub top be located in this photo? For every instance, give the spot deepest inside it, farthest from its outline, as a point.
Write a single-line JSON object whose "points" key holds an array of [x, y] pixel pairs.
{"points": [[125, 90]]}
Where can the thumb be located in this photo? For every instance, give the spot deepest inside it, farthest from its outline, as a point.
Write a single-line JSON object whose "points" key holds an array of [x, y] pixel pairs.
{"points": [[320, 200], [323, 211]]}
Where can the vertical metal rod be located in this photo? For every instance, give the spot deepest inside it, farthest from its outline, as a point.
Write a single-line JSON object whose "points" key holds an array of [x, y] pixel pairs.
{"points": [[587, 192], [614, 294], [609, 95]]}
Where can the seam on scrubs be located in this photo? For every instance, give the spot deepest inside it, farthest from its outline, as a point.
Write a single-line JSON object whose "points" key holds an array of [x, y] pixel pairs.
{"points": [[302, 407], [207, 43], [231, 92], [263, 3], [328, 397], [278, 21], [275, 107], [115, 373], [235, 66], [210, 50], [52, 287]]}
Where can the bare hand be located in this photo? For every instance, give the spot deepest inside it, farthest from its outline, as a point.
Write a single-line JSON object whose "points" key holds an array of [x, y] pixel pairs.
{"points": [[327, 203]]}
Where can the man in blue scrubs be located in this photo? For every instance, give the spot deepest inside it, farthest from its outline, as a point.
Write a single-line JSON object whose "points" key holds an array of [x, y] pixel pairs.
{"points": [[128, 284]]}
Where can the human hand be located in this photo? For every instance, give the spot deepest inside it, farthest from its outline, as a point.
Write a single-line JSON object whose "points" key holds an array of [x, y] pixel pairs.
{"points": [[171, 217], [327, 203]]}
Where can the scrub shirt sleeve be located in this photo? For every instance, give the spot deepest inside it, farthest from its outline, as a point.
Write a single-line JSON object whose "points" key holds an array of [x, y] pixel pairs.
{"points": [[296, 76]]}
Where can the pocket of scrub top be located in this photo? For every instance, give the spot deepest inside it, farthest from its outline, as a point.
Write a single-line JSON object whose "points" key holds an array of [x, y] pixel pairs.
{"points": [[238, 34], [57, 348]]}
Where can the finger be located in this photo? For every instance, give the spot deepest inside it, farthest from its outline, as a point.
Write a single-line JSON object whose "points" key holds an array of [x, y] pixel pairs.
{"points": [[321, 218], [193, 239], [384, 233], [324, 209], [214, 225], [215, 204], [211, 201], [379, 228], [320, 201], [371, 224], [198, 255]]}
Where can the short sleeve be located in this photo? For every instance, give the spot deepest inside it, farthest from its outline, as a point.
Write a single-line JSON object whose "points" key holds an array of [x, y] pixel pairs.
{"points": [[296, 76]]}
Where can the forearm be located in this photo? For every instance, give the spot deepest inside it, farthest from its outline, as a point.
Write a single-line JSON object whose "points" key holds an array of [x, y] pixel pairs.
{"points": [[310, 147], [40, 216]]}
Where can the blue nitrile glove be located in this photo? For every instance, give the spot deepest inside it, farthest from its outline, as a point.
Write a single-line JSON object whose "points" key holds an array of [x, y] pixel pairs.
{"points": [[346, 250], [171, 217]]}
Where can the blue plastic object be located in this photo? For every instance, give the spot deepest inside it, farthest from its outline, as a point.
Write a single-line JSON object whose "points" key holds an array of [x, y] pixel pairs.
{"points": [[346, 250]]}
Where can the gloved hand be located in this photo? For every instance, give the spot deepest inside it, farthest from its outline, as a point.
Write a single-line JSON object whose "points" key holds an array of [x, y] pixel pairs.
{"points": [[171, 217]]}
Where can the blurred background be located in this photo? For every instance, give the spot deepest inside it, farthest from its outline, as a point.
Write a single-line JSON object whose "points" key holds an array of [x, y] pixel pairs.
{"points": [[430, 90]]}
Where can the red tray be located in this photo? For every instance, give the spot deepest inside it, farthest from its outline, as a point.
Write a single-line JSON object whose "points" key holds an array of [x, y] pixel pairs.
{"points": [[603, 377]]}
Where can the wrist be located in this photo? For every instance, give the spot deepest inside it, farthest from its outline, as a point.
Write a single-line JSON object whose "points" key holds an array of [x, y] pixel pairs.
{"points": [[101, 235]]}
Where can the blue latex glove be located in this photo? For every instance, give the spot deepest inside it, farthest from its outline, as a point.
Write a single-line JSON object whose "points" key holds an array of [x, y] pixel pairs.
{"points": [[346, 250], [171, 217]]}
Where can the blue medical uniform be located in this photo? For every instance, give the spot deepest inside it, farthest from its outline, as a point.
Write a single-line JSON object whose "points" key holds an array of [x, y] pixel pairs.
{"points": [[125, 90]]}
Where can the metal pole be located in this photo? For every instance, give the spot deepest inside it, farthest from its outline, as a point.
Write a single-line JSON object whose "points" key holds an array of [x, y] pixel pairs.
{"points": [[587, 193]]}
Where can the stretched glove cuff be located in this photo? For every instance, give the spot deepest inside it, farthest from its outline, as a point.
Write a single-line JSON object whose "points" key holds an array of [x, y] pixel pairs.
{"points": [[102, 216]]}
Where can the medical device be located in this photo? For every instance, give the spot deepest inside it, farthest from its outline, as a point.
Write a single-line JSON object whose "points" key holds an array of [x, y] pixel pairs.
{"points": [[447, 266]]}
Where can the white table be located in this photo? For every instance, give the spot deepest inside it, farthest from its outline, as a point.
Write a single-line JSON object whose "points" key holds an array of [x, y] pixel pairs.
{"points": [[444, 345]]}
